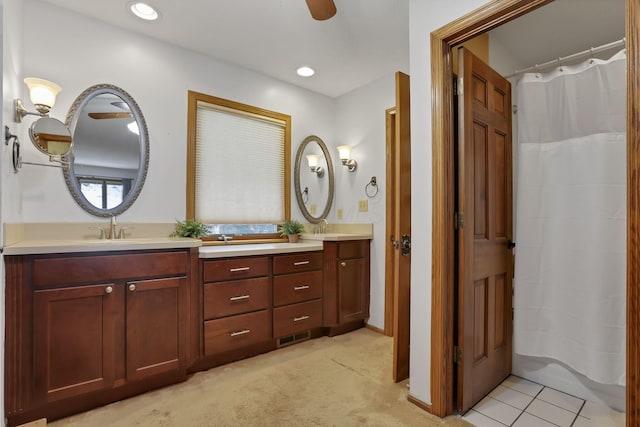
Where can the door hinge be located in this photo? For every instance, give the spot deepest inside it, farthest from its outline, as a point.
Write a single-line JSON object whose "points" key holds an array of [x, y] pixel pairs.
{"points": [[458, 220], [459, 86], [458, 353]]}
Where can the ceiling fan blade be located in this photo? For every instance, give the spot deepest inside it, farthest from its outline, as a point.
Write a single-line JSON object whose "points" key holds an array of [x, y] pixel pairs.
{"points": [[99, 116], [321, 9]]}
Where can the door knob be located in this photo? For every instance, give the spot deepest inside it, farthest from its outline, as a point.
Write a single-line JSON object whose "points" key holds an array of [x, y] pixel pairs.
{"points": [[132, 287], [343, 263], [511, 245], [405, 244], [108, 289]]}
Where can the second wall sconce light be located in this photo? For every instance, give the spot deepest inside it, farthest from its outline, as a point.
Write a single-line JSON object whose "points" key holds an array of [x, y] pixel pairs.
{"points": [[314, 165], [43, 96], [345, 157]]}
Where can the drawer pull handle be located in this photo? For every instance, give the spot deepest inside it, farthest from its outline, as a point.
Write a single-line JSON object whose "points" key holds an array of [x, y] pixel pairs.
{"points": [[238, 333], [234, 270], [301, 263], [239, 298], [132, 287], [298, 319], [300, 288], [109, 289]]}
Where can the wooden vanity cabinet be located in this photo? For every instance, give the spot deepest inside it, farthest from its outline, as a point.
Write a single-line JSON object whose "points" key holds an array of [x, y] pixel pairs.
{"points": [[88, 329], [346, 285], [236, 308], [297, 293]]}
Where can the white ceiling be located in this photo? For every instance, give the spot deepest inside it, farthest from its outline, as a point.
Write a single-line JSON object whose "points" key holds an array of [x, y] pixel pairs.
{"points": [[366, 40]]}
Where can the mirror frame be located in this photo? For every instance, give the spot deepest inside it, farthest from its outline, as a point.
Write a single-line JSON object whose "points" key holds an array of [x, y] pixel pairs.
{"points": [[69, 175], [296, 177]]}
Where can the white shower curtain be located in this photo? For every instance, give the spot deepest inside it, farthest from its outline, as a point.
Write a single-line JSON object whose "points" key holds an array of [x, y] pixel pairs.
{"points": [[569, 299]]}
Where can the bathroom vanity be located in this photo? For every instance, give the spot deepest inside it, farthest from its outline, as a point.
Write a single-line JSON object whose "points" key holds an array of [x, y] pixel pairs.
{"points": [[90, 322]]}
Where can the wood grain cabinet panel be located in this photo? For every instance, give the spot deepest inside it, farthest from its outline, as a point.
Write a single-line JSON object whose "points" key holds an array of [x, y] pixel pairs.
{"points": [[235, 268], [232, 333], [298, 287], [235, 297], [294, 318], [74, 340]]}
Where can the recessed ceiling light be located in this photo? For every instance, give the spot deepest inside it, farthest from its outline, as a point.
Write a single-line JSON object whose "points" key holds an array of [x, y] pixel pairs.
{"points": [[144, 11], [306, 71]]}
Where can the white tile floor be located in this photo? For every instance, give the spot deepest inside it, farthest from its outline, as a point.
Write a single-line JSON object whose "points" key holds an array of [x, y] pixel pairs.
{"points": [[521, 403]]}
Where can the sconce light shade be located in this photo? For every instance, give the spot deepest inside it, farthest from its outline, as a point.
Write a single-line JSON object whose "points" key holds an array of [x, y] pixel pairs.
{"points": [[344, 152], [314, 164], [43, 96], [42, 93]]}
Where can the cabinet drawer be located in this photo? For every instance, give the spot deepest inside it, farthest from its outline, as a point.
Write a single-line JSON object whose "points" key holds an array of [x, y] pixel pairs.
{"points": [[236, 332], [294, 318], [82, 269], [239, 296], [353, 249], [294, 263], [235, 268], [298, 287]]}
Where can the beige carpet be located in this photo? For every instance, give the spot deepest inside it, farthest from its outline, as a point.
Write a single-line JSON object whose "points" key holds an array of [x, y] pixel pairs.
{"points": [[340, 381]]}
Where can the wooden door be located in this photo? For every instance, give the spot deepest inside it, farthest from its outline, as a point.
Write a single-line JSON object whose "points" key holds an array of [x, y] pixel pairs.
{"points": [[485, 262], [74, 340], [156, 326], [401, 231]]}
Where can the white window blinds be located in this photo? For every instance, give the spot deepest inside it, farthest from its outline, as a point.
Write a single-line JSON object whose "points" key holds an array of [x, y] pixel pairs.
{"points": [[239, 168]]}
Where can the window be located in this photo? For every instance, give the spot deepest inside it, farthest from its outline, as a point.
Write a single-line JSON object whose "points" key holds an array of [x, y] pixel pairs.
{"points": [[238, 167], [104, 193]]}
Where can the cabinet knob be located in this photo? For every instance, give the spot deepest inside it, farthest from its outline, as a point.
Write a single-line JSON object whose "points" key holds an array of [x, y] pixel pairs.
{"points": [[109, 289], [132, 287], [343, 263]]}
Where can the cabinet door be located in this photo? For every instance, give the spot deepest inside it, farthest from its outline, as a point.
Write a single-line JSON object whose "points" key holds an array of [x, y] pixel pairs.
{"points": [[74, 340], [353, 290], [156, 326]]}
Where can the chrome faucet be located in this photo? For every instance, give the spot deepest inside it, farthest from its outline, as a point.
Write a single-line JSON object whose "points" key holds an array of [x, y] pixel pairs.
{"points": [[323, 228]]}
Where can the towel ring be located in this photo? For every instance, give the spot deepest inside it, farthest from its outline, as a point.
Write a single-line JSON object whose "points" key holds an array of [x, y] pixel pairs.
{"points": [[367, 190]]}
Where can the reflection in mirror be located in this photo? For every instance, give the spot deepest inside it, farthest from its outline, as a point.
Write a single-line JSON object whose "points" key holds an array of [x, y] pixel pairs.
{"points": [[314, 190], [50, 136], [110, 157]]}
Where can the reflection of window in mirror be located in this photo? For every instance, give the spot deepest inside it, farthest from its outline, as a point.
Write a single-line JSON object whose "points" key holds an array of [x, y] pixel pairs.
{"points": [[238, 168], [104, 193]]}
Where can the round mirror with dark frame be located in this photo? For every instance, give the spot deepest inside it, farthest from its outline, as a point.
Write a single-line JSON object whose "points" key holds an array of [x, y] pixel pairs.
{"points": [[110, 157], [313, 179]]}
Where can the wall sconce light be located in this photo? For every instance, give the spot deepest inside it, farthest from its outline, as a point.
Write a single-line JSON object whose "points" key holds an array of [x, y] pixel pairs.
{"points": [[345, 157], [314, 165], [43, 96]]}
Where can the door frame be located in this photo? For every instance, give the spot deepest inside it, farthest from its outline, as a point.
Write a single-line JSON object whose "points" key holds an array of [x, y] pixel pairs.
{"points": [[483, 19], [390, 267]]}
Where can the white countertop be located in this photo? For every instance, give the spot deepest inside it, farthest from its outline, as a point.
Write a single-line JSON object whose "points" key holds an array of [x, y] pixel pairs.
{"points": [[333, 237], [29, 247], [224, 251]]}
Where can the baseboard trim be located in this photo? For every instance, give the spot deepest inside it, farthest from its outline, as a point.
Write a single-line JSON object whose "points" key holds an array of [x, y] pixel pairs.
{"points": [[419, 403], [374, 329]]}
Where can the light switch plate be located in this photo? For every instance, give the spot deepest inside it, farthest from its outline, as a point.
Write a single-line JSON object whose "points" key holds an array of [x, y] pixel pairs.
{"points": [[339, 213], [312, 209], [363, 205]]}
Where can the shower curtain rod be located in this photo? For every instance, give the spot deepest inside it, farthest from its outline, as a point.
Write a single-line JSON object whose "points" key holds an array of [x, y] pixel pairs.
{"points": [[561, 60]]}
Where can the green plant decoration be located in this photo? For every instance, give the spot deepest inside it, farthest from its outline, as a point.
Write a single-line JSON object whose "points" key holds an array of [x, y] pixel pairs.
{"points": [[189, 228], [290, 227]]}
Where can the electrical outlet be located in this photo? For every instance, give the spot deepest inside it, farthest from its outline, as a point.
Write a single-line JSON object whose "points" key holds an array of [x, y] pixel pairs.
{"points": [[339, 213], [363, 205], [312, 209]]}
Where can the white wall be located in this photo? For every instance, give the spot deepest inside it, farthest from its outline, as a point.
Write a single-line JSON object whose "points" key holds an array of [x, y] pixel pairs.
{"points": [[424, 17], [360, 122], [10, 23], [79, 52]]}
